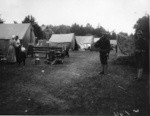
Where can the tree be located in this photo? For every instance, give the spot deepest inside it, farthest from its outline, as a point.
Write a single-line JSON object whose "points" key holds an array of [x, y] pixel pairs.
{"points": [[36, 28], [15, 22], [99, 31], [1, 20], [113, 36], [143, 25], [82, 30], [29, 19], [123, 33], [37, 31], [89, 29], [47, 32], [62, 29], [75, 28]]}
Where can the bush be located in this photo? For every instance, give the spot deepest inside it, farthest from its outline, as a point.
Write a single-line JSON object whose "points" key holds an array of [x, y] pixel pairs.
{"points": [[125, 60]]}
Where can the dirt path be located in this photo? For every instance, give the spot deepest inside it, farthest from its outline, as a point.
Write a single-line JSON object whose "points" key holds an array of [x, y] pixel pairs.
{"points": [[72, 88], [80, 65]]}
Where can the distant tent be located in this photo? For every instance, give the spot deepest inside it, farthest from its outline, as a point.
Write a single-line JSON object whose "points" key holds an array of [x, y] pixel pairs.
{"points": [[96, 39], [24, 31], [84, 42], [63, 40], [92, 46], [113, 42], [42, 43]]}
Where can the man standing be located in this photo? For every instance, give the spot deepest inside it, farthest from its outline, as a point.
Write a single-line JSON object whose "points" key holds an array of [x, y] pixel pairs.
{"points": [[17, 48], [140, 47], [104, 48]]}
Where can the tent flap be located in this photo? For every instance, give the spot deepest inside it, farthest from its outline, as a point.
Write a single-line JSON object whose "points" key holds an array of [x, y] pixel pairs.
{"points": [[84, 42]]}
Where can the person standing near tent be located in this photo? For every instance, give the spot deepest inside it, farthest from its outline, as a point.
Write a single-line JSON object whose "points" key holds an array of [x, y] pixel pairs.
{"points": [[116, 48], [104, 48], [17, 48], [67, 50], [140, 48], [11, 55], [22, 53]]}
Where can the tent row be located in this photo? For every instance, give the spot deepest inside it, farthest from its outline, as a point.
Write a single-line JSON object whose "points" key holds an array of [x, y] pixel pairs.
{"points": [[69, 41], [26, 34], [75, 42]]}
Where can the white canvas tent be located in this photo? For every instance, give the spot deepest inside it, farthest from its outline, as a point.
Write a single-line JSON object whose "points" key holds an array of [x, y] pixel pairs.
{"points": [[63, 40], [84, 42], [24, 31], [96, 39], [113, 42]]}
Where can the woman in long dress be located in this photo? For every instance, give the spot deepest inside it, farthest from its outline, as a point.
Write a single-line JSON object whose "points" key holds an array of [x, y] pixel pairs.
{"points": [[11, 55]]}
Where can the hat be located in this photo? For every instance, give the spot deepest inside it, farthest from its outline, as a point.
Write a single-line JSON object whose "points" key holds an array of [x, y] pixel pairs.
{"points": [[139, 32], [17, 36]]}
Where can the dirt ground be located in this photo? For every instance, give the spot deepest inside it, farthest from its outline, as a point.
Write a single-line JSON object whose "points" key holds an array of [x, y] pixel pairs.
{"points": [[73, 88]]}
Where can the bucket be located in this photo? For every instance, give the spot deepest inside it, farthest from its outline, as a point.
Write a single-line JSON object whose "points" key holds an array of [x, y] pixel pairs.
{"points": [[37, 61]]}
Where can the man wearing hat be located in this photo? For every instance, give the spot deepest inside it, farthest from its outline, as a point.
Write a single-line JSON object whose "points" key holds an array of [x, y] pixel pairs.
{"points": [[140, 47], [104, 48]]}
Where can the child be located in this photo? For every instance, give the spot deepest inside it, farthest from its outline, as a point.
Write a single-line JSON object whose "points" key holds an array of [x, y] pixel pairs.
{"points": [[22, 55]]}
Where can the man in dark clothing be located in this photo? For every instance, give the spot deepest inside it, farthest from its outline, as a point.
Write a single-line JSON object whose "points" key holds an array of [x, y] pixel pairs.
{"points": [[140, 47], [22, 54], [104, 48], [17, 48]]}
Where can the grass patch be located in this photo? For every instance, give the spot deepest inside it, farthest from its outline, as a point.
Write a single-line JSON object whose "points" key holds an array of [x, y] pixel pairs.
{"points": [[124, 60]]}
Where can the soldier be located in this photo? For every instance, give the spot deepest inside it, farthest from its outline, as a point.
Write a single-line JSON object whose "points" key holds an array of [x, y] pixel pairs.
{"points": [[139, 53], [104, 48]]}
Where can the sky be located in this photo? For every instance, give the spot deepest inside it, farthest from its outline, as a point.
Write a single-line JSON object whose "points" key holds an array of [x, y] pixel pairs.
{"points": [[113, 15]]}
